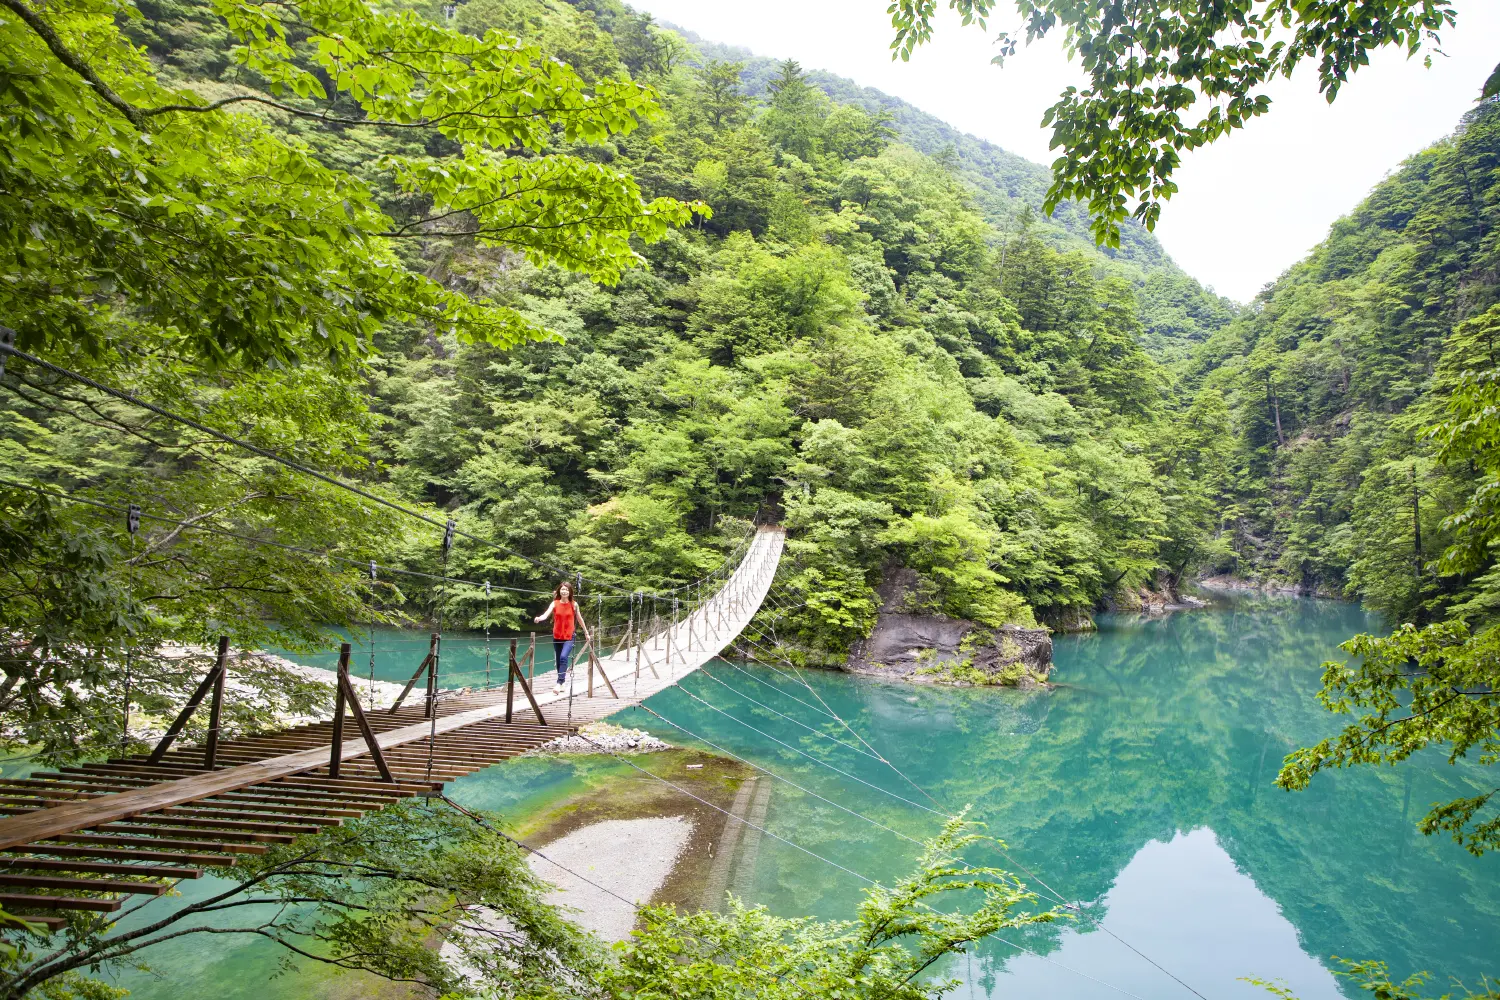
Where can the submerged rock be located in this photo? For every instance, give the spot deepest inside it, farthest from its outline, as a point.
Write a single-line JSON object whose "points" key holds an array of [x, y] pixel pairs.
{"points": [[937, 649]]}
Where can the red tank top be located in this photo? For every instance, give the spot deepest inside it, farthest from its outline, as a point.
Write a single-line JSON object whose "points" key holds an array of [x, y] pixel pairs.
{"points": [[562, 620]]}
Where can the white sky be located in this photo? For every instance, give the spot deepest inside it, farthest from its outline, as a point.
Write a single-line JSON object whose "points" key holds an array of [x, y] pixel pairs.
{"points": [[1248, 207]]}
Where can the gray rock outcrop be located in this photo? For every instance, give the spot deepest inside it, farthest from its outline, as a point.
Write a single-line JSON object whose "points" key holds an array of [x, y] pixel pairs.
{"points": [[924, 647]]}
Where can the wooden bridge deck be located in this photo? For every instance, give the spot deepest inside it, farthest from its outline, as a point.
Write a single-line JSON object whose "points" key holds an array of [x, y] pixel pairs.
{"points": [[81, 838]]}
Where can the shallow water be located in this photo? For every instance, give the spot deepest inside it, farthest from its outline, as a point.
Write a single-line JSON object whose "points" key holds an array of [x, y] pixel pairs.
{"points": [[1140, 787]]}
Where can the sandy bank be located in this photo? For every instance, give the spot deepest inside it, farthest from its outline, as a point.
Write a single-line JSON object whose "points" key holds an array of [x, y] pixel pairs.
{"points": [[622, 859]]}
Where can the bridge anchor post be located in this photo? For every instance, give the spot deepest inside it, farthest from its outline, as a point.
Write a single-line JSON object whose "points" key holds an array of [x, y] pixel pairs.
{"points": [[214, 680]]}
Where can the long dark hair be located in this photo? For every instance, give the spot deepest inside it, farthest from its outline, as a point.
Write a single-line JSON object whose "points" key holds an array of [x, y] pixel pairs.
{"points": [[557, 591]]}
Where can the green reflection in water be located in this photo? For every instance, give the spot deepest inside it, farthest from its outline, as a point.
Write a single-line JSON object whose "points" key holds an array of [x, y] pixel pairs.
{"points": [[1140, 786]]}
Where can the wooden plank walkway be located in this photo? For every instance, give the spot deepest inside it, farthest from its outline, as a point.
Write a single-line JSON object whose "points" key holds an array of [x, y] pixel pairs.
{"points": [[156, 821], [640, 670]]}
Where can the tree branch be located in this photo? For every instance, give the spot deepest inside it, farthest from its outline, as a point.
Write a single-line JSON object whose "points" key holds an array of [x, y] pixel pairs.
{"points": [[68, 58]]}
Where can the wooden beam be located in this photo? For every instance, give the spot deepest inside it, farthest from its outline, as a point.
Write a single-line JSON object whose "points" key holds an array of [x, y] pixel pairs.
{"points": [[12, 900], [360, 720], [84, 884], [207, 683], [117, 840], [98, 867], [124, 853]]}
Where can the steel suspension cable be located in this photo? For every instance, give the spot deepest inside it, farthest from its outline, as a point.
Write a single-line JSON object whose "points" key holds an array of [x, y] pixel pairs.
{"points": [[289, 463], [1099, 924]]}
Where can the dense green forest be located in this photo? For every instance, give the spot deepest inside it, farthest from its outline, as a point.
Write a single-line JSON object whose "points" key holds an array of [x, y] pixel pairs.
{"points": [[1334, 375], [848, 341]]}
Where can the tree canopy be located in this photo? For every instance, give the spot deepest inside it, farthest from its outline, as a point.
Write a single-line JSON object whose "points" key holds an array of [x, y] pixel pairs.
{"points": [[129, 201], [1171, 76]]}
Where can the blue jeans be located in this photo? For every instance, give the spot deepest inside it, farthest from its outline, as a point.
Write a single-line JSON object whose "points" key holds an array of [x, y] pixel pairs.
{"points": [[562, 650]]}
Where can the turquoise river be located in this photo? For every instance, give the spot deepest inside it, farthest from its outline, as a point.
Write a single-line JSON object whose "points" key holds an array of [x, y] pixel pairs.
{"points": [[1140, 787]]}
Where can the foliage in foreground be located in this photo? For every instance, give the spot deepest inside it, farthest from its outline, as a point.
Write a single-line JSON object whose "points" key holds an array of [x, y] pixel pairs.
{"points": [[379, 894], [898, 934], [1168, 76], [374, 895]]}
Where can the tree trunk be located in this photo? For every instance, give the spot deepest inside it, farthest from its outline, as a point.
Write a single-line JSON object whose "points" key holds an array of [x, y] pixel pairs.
{"points": [[1276, 410]]}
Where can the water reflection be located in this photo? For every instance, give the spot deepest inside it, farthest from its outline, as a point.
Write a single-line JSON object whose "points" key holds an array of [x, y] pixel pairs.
{"points": [[1160, 731], [1215, 922]]}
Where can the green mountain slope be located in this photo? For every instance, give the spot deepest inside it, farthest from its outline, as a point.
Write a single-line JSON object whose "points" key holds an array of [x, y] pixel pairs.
{"points": [[1003, 182], [1175, 308], [1338, 367]]}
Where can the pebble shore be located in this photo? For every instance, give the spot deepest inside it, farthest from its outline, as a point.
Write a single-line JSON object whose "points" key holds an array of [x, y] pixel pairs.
{"points": [[602, 738]]}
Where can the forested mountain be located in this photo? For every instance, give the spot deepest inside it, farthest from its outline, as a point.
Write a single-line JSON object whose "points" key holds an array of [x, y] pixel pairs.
{"points": [[1008, 191], [844, 342], [1333, 375]]}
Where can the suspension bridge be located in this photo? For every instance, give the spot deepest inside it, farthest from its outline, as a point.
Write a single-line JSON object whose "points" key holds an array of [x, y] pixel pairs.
{"points": [[81, 838]]}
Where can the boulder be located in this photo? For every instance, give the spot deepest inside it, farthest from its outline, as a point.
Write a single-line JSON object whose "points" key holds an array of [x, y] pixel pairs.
{"points": [[920, 646]]}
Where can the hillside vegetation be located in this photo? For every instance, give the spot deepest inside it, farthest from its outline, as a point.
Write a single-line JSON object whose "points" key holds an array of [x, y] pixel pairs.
{"points": [[846, 344], [1334, 375]]}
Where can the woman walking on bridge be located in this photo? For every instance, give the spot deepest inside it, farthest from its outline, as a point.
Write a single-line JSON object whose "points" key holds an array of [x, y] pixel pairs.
{"points": [[564, 612]]}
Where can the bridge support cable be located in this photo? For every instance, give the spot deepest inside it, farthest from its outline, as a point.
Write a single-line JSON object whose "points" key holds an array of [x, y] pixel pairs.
{"points": [[1056, 896], [834, 864]]}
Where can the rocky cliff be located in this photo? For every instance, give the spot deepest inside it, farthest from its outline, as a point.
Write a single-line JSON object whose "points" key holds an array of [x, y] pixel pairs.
{"points": [[913, 645]]}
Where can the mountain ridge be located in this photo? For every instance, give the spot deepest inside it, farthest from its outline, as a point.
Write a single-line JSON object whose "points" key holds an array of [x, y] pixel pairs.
{"points": [[1003, 181]]}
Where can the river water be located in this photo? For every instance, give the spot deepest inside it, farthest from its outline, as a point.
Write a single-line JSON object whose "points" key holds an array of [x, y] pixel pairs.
{"points": [[1139, 787]]}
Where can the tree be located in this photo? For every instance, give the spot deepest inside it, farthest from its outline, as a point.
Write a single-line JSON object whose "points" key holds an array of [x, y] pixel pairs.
{"points": [[720, 94], [794, 120], [126, 201], [1172, 75]]}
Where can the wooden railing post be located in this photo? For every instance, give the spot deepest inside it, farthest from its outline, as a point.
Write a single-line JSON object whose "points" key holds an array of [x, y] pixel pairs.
{"points": [[431, 678], [512, 668], [216, 705], [336, 750], [211, 680]]}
